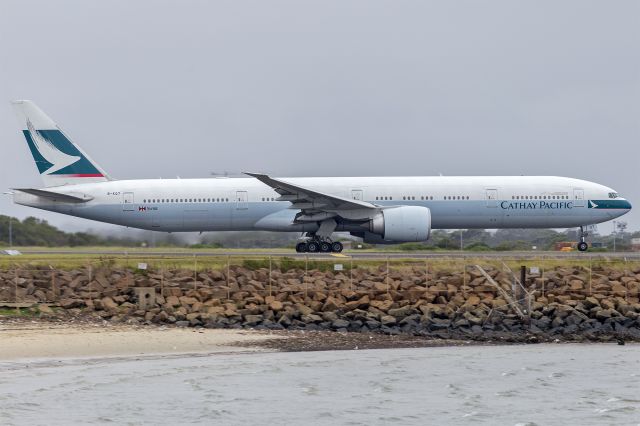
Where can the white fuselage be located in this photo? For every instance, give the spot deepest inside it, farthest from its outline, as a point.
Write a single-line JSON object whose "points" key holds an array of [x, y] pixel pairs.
{"points": [[234, 204]]}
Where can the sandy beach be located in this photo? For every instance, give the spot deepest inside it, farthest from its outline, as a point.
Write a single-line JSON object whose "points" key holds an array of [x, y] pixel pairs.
{"points": [[41, 339], [31, 340]]}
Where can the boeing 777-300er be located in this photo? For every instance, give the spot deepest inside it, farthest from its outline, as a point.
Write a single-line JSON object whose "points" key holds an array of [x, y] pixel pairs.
{"points": [[380, 210]]}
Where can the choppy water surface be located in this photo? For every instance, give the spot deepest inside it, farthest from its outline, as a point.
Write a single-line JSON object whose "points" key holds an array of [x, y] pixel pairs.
{"points": [[509, 385]]}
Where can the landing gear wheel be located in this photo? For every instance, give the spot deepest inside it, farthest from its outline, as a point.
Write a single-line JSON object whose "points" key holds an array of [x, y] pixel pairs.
{"points": [[313, 247], [301, 248], [336, 247], [325, 247], [583, 246]]}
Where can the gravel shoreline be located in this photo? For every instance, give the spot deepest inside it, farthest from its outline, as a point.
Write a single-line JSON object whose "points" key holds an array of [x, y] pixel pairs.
{"points": [[88, 338]]}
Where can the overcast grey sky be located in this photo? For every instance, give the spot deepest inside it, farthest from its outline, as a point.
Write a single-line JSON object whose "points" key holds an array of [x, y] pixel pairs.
{"points": [[325, 88]]}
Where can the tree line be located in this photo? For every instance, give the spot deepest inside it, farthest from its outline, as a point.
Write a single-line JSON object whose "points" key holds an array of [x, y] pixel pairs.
{"points": [[38, 232]]}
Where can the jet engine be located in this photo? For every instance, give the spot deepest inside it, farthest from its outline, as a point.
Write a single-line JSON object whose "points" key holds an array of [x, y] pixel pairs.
{"points": [[399, 225]]}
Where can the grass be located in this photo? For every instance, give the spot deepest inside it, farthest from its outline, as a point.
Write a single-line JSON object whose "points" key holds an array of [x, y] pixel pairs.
{"points": [[286, 264], [19, 312], [67, 261]]}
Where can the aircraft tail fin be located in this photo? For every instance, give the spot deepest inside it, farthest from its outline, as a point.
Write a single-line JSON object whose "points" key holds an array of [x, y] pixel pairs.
{"points": [[59, 161]]}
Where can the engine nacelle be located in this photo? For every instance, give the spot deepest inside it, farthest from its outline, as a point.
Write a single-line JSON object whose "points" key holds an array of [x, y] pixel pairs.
{"points": [[400, 225]]}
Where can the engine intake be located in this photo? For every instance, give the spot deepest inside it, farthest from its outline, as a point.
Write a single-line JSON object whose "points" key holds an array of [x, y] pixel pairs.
{"points": [[402, 224]]}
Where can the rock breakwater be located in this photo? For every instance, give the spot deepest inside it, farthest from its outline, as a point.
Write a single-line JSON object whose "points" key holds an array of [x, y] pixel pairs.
{"points": [[570, 303]]}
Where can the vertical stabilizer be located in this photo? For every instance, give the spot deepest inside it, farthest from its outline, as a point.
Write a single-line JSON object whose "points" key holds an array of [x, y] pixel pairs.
{"points": [[59, 161]]}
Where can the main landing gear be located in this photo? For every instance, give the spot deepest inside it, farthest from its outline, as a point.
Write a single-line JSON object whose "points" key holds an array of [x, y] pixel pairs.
{"points": [[316, 244], [582, 245]]}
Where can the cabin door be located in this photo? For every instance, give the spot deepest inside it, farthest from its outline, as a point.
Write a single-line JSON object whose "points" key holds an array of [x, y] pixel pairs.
{"points": [[578, 197], [491, 197], [242, 200], [127, 201]]}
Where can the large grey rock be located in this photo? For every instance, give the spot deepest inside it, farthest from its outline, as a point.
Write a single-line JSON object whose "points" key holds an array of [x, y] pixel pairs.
{"points": [[252, 319], [400, 312], [329, 316], [373, 324], [439, 324], [71, 303], [388, 320]]}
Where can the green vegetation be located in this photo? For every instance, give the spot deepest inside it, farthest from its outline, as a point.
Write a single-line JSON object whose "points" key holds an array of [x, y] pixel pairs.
{"points": [[33, 232], [19, 312], [512, 240], [37, 232], [206, 246]]}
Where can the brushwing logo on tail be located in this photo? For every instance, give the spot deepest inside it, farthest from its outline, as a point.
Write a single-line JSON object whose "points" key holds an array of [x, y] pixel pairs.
{"points": [[49, 152]]}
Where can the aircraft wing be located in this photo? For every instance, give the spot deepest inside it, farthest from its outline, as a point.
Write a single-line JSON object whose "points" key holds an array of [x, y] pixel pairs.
{"points": [[313, 204], [55, 196]]}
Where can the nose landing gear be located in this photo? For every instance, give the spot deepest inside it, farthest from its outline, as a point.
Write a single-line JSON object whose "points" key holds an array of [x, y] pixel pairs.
{"points": [[582, 245]]}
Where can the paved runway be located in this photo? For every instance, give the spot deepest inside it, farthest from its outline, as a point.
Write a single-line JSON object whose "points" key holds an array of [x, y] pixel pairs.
{"points": [[347, 254]]}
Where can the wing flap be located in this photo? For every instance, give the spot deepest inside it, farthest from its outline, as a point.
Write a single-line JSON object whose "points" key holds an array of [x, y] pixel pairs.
{"points": [[309, 198]]}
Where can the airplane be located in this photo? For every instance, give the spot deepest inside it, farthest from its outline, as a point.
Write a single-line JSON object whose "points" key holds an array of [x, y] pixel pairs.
{"points": [[380, 210]]}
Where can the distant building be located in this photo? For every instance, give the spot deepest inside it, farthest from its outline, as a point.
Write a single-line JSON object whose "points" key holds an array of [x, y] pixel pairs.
{"points": [[635, 244]]}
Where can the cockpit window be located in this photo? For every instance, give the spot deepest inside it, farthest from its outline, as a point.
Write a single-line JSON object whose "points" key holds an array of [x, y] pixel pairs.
{"points": [[614, 195]]}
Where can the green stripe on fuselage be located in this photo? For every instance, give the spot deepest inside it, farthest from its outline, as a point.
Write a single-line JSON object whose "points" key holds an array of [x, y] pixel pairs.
{"points": [[609, 204]]}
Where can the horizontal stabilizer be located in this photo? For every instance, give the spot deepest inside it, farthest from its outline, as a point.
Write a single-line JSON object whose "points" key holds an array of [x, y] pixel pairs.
{"points": [[55, 196]]}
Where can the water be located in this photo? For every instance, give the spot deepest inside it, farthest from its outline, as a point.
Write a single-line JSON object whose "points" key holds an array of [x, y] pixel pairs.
{"points": [[499, 385]]}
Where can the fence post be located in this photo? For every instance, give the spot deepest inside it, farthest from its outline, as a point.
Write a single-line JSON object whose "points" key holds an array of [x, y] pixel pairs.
{"points": [[15, 282], [269, 275], [53, 282], [306, 271], [162, 278], [387, 277], [590, 273], [464, 278], [351, 273], [195, 271], [426, 278], [228, 279]]}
